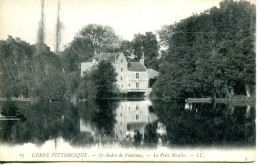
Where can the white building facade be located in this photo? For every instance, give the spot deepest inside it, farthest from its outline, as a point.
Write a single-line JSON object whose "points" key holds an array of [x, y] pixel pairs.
{"points": [[131, 76]]}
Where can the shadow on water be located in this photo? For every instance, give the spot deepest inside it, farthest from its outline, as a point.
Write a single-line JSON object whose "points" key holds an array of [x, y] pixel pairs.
{"points": [[132, 123]]}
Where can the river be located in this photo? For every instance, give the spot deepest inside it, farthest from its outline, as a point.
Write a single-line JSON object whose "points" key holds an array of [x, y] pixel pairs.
{"points": [[131, 123]]}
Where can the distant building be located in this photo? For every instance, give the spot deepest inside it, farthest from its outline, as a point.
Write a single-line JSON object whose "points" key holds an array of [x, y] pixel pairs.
{"points": [[131, 76]]}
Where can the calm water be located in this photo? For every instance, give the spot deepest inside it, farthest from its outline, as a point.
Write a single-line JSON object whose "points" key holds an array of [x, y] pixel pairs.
{"points": [[138, 123]]}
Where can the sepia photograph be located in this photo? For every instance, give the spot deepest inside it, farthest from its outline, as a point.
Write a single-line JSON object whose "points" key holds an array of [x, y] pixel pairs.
{"points": [[127, 81]]}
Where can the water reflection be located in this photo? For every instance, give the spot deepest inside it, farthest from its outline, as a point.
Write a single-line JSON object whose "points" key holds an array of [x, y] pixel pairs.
{"points": [[132, 117], [138, 123]]}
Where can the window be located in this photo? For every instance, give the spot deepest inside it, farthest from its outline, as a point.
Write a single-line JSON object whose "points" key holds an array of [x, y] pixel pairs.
{"points": [[121, 60], [121, 69], [137, 75], [137, 107], [121, 78], [137, 85], [129, 84], [137, 117], [122, 86]]}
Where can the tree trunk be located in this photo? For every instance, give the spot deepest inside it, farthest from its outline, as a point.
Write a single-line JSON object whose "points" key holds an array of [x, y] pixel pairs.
{"points": [[247, 91]]}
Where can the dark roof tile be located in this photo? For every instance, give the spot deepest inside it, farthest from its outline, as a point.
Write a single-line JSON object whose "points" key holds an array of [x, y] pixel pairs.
{"points": [[136, 66], [110, 57]]}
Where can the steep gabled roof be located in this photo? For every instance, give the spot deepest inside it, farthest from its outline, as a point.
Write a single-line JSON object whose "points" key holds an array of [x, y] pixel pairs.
{"points": [[110, 57], [136, 66]]}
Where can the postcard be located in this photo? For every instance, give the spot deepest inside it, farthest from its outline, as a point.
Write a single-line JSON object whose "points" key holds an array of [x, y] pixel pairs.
{"points": [[127, 81]]}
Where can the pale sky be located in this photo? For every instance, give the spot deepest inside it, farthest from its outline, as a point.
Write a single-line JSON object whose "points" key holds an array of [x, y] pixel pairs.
{"points": [[19, 18]]}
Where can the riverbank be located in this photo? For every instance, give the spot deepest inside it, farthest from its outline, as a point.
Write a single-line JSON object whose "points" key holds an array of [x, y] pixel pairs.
{"points": [[17, 99], [238, 98]]}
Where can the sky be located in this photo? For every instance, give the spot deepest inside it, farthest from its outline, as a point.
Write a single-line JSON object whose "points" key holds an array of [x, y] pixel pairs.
{"points": [[20, 18]]}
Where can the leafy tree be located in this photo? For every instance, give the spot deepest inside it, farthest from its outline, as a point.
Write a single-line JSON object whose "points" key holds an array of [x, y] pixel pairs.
{"points": [[48, 77], [100, 37], [87, 87], [105, 78], [126, 46], [210, 54], [90, 39], [99, 83], [148, 46], [16, 67], [72, 81]]}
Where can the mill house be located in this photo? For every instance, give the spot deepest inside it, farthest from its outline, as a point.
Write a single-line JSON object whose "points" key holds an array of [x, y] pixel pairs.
{"points": [[132, 77]]}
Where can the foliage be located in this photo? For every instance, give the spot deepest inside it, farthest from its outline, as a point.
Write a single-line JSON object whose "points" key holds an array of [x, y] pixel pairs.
{"points": [[210, 54], [148, 46], [105, 78], [99, 83], [26, 72], [101, 38], [48, 78], [16, 67], [72, 84], [87, 87], [90, 40]]}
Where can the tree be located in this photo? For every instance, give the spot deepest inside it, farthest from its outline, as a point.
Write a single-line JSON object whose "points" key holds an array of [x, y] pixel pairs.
{"points": [[101, 38], [126, 46], [58, 31], [41, 30], [49, 79], [148, 46], [16, 67], [165, 34], [105, 78], [87, 87], [210, 54], [99, 83], [90, 39]]}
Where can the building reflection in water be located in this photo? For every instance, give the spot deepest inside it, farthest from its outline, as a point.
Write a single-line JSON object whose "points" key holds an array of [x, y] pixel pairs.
{"points": [[132, 118]]}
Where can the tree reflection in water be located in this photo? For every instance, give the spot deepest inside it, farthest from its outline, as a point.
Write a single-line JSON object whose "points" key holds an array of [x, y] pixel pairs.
{"points": [[138, 123], [206, 124]]}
